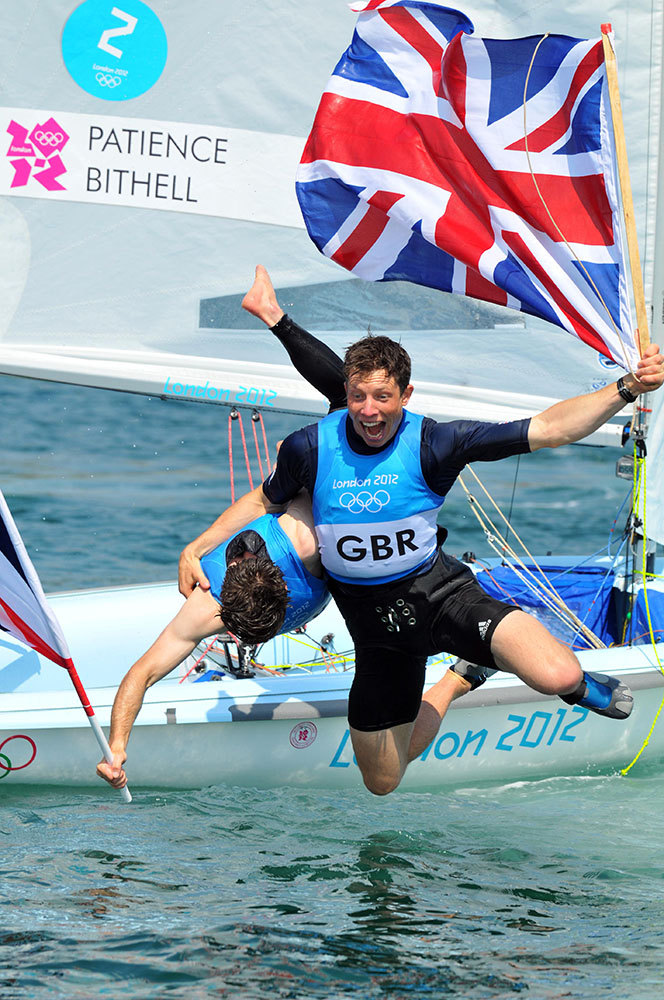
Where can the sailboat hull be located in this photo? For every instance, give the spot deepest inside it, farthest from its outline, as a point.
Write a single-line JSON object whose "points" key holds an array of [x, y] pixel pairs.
{"points": [[289, 728]]}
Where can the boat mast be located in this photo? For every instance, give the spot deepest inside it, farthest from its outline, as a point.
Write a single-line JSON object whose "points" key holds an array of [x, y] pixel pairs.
{"points": [[642, 547]]}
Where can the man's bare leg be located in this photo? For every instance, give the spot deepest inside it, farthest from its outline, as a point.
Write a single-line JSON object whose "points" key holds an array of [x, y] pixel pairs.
{"points": [[435, 703], [261, 299], [382, 757], [523, 646]]}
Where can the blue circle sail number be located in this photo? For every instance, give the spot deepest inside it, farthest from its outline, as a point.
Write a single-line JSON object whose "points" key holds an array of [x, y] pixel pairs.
{"points": [[114, 51]]}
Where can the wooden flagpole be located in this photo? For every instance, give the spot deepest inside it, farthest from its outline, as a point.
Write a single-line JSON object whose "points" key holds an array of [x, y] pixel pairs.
{"points": [[625, 189]]}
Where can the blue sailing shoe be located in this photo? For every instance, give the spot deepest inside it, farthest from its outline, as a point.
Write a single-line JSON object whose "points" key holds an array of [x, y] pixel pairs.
{"points": [[470, 672], [602, 694]]}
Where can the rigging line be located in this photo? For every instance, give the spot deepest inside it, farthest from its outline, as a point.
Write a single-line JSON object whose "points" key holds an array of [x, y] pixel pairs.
{"points": [[599, 590], [254, 419], [493, 532], [545, 579], [548, 211], [265, 444], [614, 523], [644, 567], [231, 466], [201, 657], [545, 592], [509, 516], [238, 417], [516, 536], [562, 612]]}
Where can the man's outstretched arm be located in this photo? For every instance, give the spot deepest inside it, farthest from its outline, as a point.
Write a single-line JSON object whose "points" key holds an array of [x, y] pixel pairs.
{"points": [[574, 419], [199, 617], [313, 359]]}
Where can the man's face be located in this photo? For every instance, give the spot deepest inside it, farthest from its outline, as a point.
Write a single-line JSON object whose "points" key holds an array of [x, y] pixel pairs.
{"points": [[375, 405]]}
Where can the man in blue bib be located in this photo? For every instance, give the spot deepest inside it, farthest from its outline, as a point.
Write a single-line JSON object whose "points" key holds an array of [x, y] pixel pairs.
{"points": [[377, 475], [264, 580]]}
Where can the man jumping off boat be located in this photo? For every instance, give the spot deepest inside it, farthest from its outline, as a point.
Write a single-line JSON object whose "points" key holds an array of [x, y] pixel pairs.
{"points": [[266, 579], [377, 475]]}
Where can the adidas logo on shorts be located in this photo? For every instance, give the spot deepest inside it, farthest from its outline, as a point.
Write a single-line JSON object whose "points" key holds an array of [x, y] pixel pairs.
{"points": [[484, 628]]}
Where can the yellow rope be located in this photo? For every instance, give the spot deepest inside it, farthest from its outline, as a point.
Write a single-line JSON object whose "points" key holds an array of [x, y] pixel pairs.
{"points": [[641, 463]]}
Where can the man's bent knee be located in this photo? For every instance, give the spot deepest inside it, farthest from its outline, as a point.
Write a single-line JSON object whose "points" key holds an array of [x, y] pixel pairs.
{"points": [[380, 785], [382, 757], [523, 646]]}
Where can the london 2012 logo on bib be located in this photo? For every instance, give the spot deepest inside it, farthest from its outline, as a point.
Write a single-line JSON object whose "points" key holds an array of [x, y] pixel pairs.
{"points": [[114, 51]]}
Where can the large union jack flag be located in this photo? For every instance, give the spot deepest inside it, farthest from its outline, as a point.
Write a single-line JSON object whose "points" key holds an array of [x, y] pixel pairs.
{"points": [[425, 163]]}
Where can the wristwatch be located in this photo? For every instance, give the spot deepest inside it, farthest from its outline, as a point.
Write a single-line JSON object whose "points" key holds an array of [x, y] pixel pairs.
{"points": [[623, 391]]}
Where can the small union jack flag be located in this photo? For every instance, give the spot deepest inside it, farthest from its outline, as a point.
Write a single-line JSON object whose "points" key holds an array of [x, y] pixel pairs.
{"points": [[426, 163], [24, 610]]}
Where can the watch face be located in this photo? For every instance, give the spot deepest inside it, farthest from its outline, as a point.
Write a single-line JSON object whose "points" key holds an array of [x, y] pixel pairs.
{"points": [[623, 391]]}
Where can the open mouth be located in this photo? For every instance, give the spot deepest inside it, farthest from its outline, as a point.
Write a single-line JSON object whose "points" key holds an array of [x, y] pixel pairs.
{"points": [[374, 430]]}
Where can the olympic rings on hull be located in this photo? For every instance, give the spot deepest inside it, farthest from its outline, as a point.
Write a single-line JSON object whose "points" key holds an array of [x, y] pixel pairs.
{"points": [[5, 762]]}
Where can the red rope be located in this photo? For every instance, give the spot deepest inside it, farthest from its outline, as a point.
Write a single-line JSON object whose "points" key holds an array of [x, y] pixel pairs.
{"points": [[254, 418], [246, 453], [267, 450], [201, 657], [230, 454]]}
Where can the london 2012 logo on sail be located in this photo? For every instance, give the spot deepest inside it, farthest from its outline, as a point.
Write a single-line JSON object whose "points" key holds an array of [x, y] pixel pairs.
{"points": [[35, 153]]}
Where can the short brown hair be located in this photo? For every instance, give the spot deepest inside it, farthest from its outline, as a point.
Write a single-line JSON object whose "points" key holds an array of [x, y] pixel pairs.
{"points": [[372, 354], [253, 599]]}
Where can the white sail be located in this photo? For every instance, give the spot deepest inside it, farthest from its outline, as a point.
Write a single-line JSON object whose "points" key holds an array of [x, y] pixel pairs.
{"points": [[170, 198]]}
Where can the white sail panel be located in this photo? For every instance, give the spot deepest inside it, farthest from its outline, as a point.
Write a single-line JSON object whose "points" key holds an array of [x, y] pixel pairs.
{"points": [[95, 291]]}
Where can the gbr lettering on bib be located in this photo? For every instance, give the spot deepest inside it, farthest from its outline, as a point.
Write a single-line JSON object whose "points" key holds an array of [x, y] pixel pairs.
{"points": [[359, 551]]}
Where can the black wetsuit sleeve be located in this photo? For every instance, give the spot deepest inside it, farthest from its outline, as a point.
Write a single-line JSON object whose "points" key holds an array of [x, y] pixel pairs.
{"points": [[447, 447], [314, 360], [296, 466]]}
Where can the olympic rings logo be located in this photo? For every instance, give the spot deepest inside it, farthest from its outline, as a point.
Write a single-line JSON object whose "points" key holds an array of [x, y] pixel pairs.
{"points": [[105, 80], [371, 502], [49, 138], [5, 763]]}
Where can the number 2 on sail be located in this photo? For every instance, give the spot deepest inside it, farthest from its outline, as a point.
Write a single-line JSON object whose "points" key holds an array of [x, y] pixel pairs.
{"points": [[128, 29]]}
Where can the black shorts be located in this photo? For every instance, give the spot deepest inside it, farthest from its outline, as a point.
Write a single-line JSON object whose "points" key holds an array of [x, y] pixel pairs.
{"points": [[396, 626]]}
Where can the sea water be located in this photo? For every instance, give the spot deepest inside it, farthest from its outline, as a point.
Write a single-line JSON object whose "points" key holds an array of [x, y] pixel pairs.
{"points": [[544, 889]]}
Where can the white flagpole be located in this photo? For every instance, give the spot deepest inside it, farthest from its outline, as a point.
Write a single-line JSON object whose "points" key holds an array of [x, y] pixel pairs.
{"points": [[92, 719]]}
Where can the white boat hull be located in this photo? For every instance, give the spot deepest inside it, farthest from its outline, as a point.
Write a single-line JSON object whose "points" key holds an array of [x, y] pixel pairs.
{"points": [[289, 729]]}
